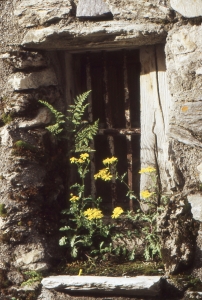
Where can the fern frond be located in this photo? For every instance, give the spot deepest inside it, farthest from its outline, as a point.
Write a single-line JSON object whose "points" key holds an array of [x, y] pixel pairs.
{"points": [[57, 128], [75, 129], [84, 136], [77, 110]]}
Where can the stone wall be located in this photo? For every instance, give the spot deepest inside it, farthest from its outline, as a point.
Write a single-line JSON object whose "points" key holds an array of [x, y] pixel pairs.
{"points": [[34, 36]]}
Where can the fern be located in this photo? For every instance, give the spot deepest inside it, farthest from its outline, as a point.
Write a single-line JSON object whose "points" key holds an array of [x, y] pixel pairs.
{"points": [[77, 110], [78, 132], [57, 128], [84, 136]]}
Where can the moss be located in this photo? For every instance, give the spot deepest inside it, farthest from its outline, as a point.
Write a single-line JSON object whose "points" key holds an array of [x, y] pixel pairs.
{"points": [[184, 282], [2, 210], [106, 268], [24, 145], [6, 118], [32, 277]]}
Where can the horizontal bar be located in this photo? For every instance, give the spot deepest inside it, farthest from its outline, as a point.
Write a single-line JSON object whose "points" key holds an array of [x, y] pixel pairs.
{"points": [[119, 131]]}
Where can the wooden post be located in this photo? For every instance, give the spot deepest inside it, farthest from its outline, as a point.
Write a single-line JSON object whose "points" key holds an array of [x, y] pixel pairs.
{"points": [[155, 99]]}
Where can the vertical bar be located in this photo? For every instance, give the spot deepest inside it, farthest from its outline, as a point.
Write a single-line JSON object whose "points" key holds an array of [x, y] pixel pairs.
{"points": [[126, 92], [128, 125], [109, 125], [90, 118]]}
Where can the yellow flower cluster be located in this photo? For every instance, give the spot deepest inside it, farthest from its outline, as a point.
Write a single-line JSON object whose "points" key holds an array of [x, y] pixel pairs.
{"points": [[147, 170], [93, 213], [83, 157], [117, 212], [109, 161], [146, 194], [103, 174], [73, 198]]}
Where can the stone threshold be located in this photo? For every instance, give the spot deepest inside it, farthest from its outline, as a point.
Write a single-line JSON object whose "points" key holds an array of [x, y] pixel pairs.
{"points": [[122, 286]]}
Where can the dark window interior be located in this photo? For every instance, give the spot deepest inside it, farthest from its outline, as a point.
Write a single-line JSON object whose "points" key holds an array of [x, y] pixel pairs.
{"points": [[113, 78]]}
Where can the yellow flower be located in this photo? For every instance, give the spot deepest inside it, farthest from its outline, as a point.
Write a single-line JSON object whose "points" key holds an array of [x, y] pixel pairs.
{"points": [[117, 212], [93, 213], [80, 161], [73, 198], [84, 156], [147, 170], [103, 174], [110, 161], [73, 160], [146, 194]]}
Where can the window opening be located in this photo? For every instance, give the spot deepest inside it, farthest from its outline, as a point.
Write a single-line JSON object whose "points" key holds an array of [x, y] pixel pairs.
{"points": [[114, 79]]}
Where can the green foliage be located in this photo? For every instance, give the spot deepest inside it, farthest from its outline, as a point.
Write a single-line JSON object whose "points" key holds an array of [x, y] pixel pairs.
{"points": [[24, 145], [32, 277], [118, 268], [85, 231], [84, 136], [148, 212], [72, 127], [77, 110], [58, 127], [2, 210], [6, 118], [120, 249]]}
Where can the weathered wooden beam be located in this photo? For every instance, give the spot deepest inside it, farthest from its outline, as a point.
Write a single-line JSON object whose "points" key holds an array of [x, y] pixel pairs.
{"points": [[92, 8], [155, 101]]}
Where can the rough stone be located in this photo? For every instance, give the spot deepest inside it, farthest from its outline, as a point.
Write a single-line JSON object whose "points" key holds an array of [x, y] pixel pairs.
{"points": [[37, 12], [29, 258], [43, 118], [134, 286], [196, 206], [25, 59], [152, 10], [199, 168], [38, 267], [124, 34], [58, 295], [184, 58], [92, 8], [187, 8], [178, 232], [15, 277], [20, 81], [193, 295]]}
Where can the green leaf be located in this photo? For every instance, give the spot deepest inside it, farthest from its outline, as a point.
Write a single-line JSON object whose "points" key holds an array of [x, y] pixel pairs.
{"points": [[63, 241]]}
